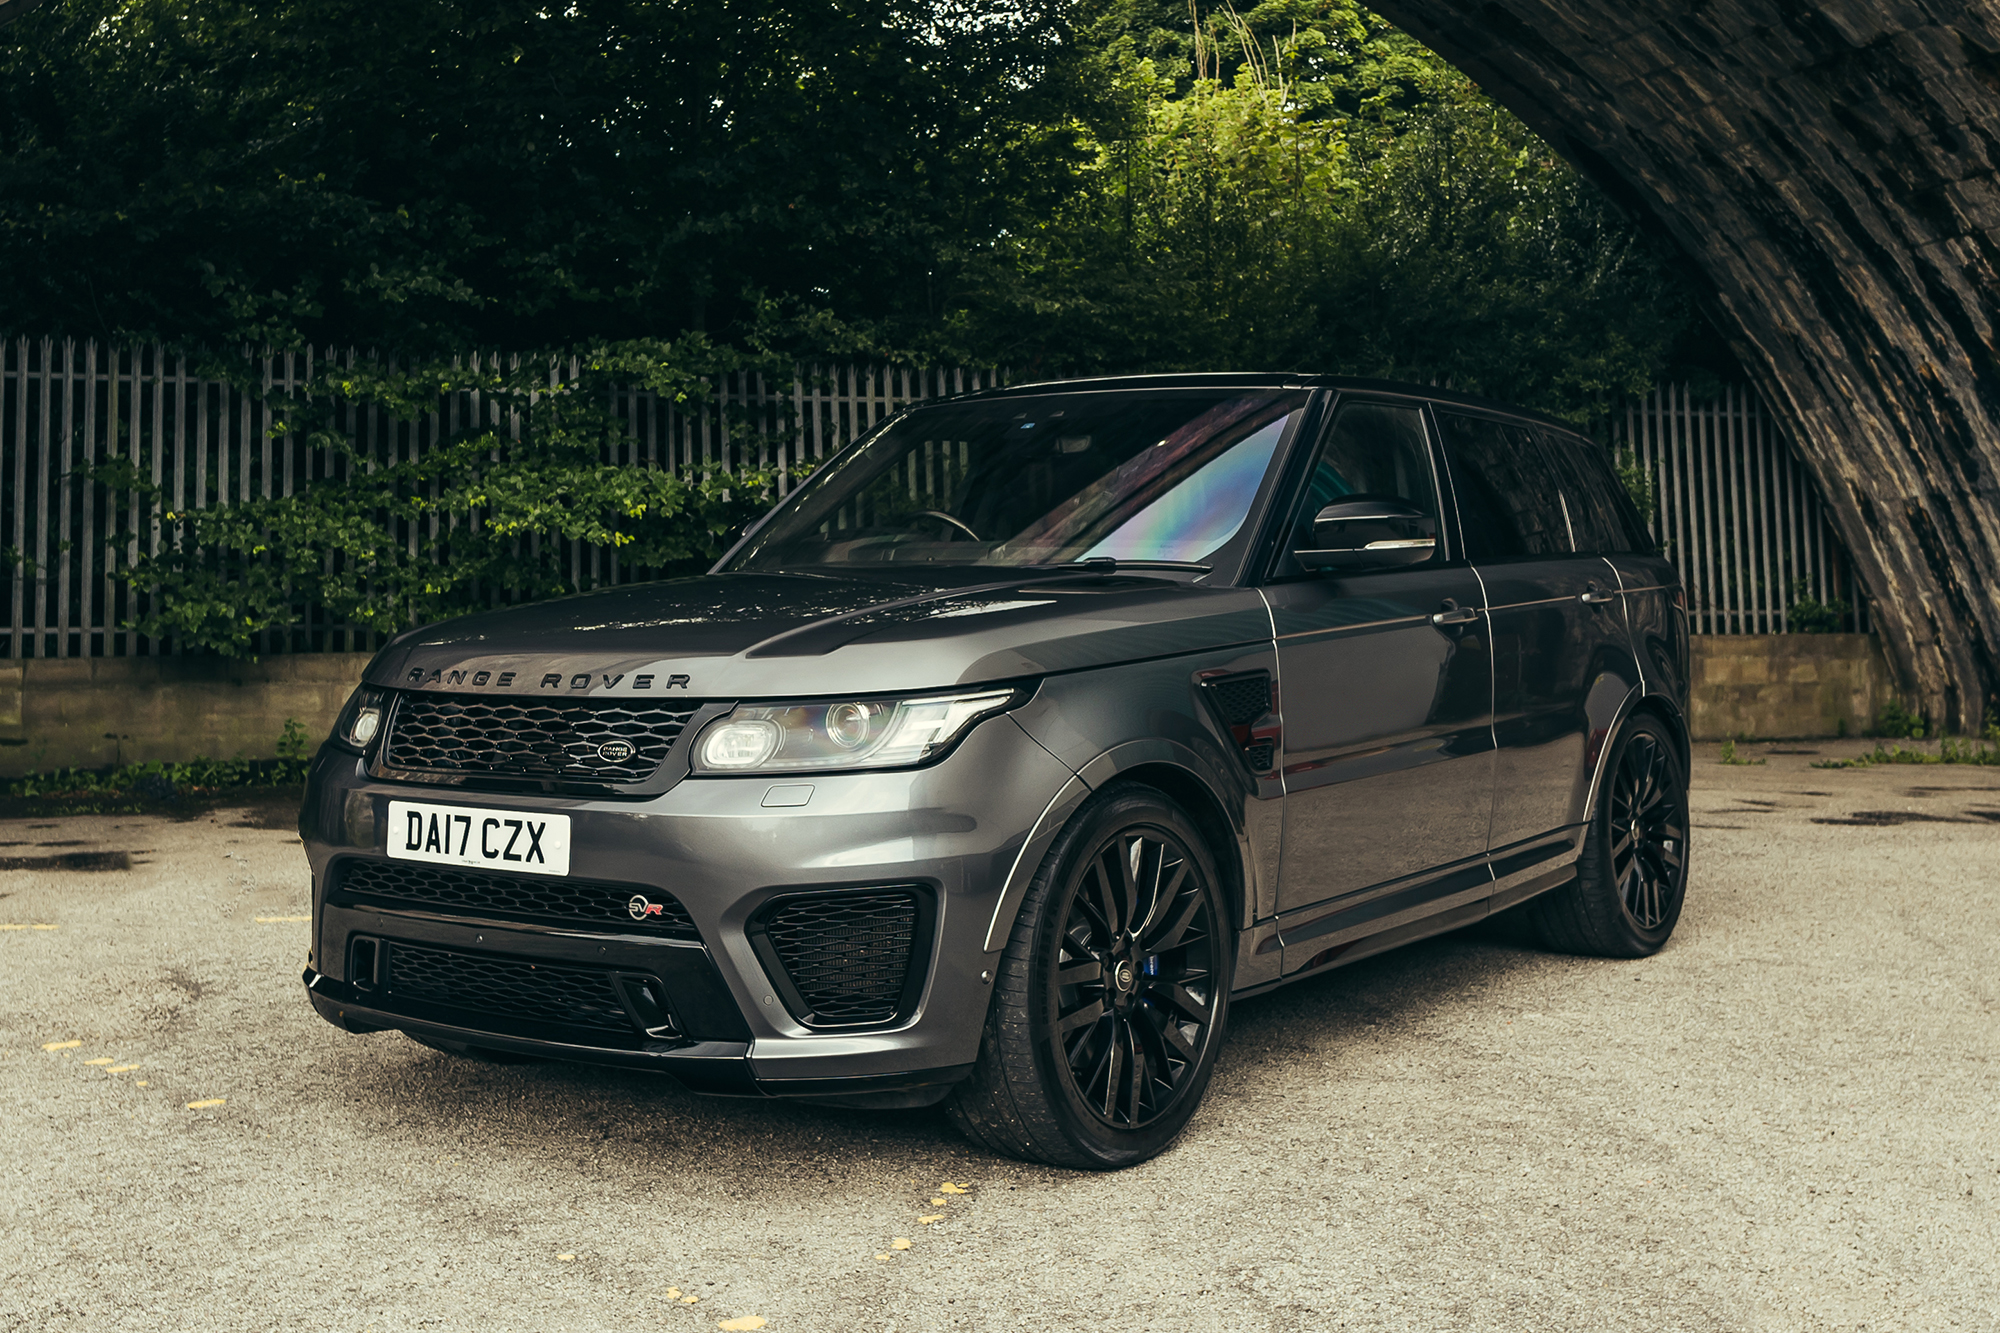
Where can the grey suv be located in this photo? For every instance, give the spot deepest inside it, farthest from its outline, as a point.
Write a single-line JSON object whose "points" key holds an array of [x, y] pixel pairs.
{"points": [[1018, 740]]}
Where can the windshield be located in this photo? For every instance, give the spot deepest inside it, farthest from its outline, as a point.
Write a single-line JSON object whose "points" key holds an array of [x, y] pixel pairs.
{"points": [[1151, 475]]}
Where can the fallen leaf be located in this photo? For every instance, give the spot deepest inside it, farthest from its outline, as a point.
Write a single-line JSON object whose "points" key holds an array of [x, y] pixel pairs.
{"points": [[934, 1217], [142, 1083], [121, 1069], [949, 1188], [937, 1203], [900, 1243], [565, 1258], [204, 1105], [742, 1323], [673, 1293], [690, 1300], [884, 1256], [101, 1060], [60, 1045]]}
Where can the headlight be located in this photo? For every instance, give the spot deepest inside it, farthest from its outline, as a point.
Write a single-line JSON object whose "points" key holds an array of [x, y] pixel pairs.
{"points": [[361, 721], [846, 733]]}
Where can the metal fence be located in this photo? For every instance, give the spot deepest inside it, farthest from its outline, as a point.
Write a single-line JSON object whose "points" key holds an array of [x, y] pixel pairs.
{"points": [[1733, 507], [1735, 511], [66, 407]]}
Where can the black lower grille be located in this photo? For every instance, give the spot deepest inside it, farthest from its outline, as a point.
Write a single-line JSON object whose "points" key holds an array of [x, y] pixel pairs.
{"points": [[620, 742], [504, 988], [848, 956], [570, 901]]}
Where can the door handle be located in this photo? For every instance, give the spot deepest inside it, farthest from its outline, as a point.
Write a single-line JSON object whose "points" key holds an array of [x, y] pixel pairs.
{"points": [[1590, 596], [1454, 614]]}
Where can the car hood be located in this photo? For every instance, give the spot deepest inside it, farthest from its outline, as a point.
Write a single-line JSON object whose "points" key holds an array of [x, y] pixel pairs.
{"points": [[768, 635]]}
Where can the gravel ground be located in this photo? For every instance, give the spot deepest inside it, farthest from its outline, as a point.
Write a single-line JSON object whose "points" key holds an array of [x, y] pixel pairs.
{"points": [[1787, 1120]]}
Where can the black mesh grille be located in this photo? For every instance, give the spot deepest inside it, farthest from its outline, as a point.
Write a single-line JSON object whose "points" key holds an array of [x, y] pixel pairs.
{"points": [[1258, 754], [847, 956], [445, 733], [571, 901], [1242, 699], [505, 988]]}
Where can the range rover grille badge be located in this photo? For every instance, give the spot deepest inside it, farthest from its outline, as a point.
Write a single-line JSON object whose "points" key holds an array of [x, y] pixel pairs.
{"points": [[618, 741]]}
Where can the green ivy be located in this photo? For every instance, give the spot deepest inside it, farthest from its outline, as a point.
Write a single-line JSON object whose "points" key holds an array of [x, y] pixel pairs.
{"points": [[1810, 615], [483, 517]]}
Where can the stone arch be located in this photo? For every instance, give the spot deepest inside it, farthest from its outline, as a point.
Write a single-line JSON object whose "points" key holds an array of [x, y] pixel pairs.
{"points": [[1829, 166]]}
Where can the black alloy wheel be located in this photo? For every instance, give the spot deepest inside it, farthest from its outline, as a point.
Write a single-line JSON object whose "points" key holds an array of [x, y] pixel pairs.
{"points": [[1133, 987], [1112, 995], [1648, 833], [1631, 878]]}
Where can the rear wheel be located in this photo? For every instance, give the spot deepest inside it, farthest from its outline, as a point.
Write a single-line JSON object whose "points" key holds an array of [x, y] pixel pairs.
{"points": [[1111, 996], [1632, 876]]}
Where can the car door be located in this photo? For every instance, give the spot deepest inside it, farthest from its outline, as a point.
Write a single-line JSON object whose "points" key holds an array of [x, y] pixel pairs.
{"points": [[1559, 635], [1385, 681]]}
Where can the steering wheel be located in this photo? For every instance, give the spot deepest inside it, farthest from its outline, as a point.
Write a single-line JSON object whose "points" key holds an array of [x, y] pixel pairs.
{"points": [[943, 517]]}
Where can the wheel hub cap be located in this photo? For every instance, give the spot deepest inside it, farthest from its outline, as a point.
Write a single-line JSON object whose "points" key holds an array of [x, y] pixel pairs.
{"points": [[1124, 976]]}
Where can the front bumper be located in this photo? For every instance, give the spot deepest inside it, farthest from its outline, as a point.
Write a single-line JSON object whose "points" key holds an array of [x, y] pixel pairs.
{"points": [[954, 830]]}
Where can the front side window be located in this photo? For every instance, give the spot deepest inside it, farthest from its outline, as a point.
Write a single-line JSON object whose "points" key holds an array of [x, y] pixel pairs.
{"points": [[1510, 501], [1373, 451], [1155, 475]]}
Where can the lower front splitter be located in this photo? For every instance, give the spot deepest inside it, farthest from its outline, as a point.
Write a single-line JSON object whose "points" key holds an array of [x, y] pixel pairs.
{"points": [[714, 1068]]}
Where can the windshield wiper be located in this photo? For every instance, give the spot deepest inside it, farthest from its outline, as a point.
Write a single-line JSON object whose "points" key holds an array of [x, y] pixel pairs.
{"points": [[1107, 565]]}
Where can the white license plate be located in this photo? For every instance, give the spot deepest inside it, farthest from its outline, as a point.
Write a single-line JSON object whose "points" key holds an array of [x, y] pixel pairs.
{"points": [[464, 835]]}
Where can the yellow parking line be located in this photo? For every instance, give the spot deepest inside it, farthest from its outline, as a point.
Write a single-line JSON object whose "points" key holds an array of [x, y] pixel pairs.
{"points": [[121, 1069], [38, 925], [204, 1105], [101, 1060], [280, 920], [60, 1045]]}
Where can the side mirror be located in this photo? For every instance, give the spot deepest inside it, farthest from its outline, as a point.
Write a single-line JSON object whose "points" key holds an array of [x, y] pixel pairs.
{"points": [[1369, 532]]}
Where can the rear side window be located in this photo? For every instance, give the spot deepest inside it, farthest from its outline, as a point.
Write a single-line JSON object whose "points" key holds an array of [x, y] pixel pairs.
{"points": [[1601, 513], [1509, 497]]}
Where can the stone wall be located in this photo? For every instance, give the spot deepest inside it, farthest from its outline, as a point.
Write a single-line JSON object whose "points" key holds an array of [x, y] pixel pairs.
{"points": [[87, 712], [1787, 685], [90, 712]]}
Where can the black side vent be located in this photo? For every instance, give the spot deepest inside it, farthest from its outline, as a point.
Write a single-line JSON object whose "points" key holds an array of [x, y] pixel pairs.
{"points": [[849, 959], [1241, 699]]}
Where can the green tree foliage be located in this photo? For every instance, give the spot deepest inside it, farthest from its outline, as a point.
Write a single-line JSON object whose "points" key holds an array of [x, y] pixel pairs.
{"points": [[1056, 185], [432, 174], [1303, 187]]}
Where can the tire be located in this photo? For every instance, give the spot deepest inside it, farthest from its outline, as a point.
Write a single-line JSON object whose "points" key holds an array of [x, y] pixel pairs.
{"points": [[1631, 879], [1111, 997], [466, 1051]]}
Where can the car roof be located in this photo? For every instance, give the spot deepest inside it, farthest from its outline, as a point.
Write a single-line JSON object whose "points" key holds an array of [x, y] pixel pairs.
{"points": [[1266, 380]]}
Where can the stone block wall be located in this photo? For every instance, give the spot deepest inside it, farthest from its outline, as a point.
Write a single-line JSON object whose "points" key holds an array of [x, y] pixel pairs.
{"points": [[87, 712], [90, 712], [1787, 685]]}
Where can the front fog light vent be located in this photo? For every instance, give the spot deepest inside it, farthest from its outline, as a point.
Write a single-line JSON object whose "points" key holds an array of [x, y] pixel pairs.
{"points": [[845, 960]]}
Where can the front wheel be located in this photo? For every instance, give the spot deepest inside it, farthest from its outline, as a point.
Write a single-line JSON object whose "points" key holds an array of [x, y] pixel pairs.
{"points": [[1632, 876], [1111, 996]]}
